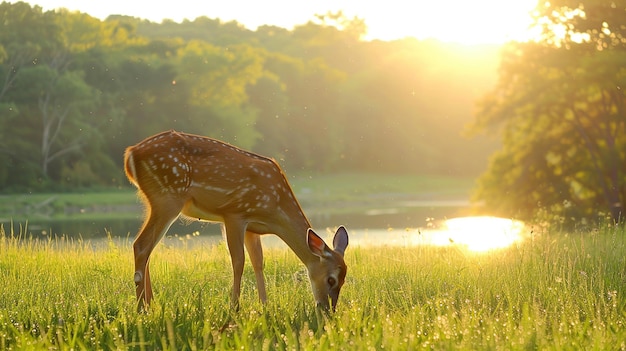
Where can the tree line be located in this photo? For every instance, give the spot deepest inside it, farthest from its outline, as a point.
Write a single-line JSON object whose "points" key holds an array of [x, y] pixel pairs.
{"points": [[75, 91], [560, 104]]}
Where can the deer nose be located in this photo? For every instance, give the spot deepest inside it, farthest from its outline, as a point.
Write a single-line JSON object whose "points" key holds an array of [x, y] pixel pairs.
{"points": [[323, 306], [333, 301]]}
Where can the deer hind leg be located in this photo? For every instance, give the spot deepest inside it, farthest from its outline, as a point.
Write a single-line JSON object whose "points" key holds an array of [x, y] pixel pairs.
{"points": [[255, 251], [155, 226]]}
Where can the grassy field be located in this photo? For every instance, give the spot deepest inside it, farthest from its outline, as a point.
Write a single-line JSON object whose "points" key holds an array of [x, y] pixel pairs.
{"points": [[554, 291]]}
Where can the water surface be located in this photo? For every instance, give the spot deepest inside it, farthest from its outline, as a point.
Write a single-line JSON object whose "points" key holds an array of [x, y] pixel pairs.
{"points": [[410, 224]]}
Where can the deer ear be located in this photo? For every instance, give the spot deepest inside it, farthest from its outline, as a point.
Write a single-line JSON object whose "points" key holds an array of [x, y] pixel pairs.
{"points": [[316, 244], [340, 241]]}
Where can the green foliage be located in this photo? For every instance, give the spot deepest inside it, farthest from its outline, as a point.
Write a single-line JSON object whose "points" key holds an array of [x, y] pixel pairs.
{"points": [[553, 291], [75, 91], [560, 105]]}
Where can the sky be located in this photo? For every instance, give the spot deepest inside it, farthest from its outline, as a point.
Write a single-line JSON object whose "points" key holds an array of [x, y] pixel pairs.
{"points": [[474, 21]]}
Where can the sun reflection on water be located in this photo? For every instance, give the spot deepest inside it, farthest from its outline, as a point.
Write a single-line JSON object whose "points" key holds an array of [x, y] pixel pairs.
{"points": [[478, 234], [482, 233]]}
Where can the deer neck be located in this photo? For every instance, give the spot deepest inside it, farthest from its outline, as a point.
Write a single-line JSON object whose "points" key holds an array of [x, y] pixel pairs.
{"points": [[295, 231]]}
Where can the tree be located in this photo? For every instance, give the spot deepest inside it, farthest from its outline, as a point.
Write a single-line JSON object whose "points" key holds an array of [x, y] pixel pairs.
{"points": [[52, 114], [215, 79], [561, 106], [61, 119]]}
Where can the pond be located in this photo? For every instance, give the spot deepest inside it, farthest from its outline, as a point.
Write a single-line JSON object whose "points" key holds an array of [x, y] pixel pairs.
{"points": [[409, 224]]}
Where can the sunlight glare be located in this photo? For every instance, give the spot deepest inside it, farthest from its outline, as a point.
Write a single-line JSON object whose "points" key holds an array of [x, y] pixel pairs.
{"points": [[482, 233], [477, 234], [458, 21]]}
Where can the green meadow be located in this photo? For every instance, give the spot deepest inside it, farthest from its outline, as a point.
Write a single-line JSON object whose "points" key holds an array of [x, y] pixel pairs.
{"points": [[555, 290]]}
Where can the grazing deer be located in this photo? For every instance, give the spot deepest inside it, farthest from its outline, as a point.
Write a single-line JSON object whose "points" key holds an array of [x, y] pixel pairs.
{"points": [[206, 179]]}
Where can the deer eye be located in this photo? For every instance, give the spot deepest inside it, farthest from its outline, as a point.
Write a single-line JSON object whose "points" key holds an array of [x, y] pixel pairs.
{"points": [[331, 281]]}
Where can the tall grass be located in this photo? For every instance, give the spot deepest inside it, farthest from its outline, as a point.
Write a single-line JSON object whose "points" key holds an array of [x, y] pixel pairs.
{"points": [[554, 291]]}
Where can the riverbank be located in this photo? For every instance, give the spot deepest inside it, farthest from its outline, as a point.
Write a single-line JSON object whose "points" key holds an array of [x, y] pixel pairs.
{"points": [[317, 194]]}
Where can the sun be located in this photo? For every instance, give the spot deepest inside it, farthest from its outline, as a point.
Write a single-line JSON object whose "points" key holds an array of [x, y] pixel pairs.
{"points": [[458, 21]]}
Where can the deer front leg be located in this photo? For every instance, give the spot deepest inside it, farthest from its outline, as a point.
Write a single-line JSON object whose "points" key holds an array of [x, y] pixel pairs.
{"points": [[255, 251], [235, 231]]}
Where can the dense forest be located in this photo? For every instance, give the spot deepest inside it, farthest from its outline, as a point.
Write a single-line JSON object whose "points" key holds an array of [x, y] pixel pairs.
{"points": [[75, 91]]}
